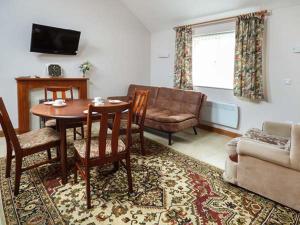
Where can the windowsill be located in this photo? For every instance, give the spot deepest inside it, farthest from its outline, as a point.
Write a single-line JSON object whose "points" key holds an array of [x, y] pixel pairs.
{"points": [[213, 87]]}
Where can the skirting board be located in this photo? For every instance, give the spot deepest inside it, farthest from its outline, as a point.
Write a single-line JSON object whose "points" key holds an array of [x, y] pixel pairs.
{"points": [[219, 131]]}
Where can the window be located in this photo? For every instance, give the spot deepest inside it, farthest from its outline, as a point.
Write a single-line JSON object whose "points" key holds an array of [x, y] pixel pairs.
{"points": [[213, 60]]}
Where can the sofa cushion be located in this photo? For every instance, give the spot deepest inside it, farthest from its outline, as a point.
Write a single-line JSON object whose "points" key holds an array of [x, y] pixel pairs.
{"points": [[152, 92], [171, 127], [185, 102], [166, 116]]}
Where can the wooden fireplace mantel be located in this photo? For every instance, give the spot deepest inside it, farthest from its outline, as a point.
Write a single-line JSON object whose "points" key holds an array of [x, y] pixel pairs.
{"points": [[25, 84]]}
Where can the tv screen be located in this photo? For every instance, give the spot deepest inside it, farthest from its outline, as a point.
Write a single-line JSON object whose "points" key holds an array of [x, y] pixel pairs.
{"points": [[45, 39]]}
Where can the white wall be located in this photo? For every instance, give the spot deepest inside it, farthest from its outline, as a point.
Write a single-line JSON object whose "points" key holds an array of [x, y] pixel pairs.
{"points": [[281, 63], [112, 39]]}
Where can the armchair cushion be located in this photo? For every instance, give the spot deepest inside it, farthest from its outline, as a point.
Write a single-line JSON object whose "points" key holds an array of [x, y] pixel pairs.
{"points": [[260, 136], [264, 151]]}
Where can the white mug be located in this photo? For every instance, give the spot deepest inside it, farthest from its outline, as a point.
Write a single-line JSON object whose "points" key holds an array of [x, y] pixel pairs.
{"points": [[98, 99], [59, 102]]}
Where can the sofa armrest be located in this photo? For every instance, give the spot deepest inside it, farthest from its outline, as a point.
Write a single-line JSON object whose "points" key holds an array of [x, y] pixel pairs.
{"points": [[278, 129], [263, 151], [121, 98]]}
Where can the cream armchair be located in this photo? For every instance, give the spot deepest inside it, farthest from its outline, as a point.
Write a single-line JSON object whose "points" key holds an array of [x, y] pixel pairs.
{"points": [[267, 162]]}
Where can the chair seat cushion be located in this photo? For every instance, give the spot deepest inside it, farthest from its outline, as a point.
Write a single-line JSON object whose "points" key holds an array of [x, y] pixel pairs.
{"points": [[80, 146], [50, 123], [123, 125], [38, 138], [167, 116]]}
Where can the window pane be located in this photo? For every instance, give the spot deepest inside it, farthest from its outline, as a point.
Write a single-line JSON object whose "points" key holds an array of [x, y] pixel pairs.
{"points": [[213, 60]]}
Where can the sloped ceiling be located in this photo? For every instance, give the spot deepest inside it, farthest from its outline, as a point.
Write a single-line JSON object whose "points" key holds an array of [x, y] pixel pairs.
{"points": [[159, 14]]}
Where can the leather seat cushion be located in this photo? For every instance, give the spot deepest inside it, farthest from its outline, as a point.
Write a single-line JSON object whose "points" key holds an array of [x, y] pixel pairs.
{"points": [[167, 116]]}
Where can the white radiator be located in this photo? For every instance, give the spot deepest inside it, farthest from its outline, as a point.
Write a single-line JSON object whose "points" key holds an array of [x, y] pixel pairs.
{"points": [[220, 113]]}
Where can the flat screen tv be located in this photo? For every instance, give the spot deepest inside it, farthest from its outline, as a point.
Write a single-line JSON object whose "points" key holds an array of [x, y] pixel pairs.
{"points": [[53, 40]]}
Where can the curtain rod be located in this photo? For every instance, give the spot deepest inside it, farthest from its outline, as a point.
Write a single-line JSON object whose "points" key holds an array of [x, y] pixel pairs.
{"points": [[263, 12]]}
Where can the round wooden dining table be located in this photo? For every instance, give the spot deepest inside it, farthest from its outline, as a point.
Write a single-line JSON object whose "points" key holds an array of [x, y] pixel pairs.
{"points": [[72, 112]]}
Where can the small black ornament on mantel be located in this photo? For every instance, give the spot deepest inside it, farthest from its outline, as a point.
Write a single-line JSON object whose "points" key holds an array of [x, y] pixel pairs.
{"points": [[54, 70]]}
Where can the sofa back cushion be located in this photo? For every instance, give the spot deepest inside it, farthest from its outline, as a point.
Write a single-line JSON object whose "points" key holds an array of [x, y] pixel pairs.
{"points": [[152, 92], [180, 101]]}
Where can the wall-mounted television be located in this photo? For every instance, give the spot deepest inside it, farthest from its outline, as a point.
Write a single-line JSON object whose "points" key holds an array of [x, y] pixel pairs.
{"points": [[53, 40]]}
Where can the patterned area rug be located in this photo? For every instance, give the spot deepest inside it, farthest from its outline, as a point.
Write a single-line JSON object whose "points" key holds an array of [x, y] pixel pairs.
{"points": [[170, 189]]}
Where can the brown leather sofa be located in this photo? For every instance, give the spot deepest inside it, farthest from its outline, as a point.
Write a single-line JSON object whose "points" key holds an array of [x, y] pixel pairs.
{"points": [[170, 110]]}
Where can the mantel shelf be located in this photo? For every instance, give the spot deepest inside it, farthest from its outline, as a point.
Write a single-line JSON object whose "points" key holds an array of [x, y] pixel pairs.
{"points": [[50, 78]]}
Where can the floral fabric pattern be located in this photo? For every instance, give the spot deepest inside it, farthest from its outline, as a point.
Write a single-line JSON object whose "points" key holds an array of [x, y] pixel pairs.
{"points": [[123, 125], [248, 74], [183, 61], [38, 138], [260, 136], [80, 146]]}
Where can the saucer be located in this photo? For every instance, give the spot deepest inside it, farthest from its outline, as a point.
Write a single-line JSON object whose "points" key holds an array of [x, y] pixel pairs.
{"points": [[49, 103], [60, 105], [114, 101]]}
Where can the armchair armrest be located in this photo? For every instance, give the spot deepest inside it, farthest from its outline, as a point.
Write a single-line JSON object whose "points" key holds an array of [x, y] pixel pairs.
{"points": [[263, 151], [121, 98], [278, 129]]}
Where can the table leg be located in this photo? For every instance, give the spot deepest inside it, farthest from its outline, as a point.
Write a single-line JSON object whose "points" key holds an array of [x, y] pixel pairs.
{"points": [[63, 150]]}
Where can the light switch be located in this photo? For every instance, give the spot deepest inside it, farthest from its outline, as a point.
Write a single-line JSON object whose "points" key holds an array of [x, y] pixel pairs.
{"points": [[288, 81]]}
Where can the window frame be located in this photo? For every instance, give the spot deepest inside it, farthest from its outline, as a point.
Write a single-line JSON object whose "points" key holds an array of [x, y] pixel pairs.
{"points": [[215, 33]]}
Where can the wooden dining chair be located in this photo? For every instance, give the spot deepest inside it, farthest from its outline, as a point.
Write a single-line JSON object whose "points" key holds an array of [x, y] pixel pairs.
{"points": [[25, 145], [106, 148], [62, 93], [140, 102]]}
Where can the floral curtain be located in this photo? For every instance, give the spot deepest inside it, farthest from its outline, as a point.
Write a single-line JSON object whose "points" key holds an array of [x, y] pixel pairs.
{"points": [[248, 74], [183, 61]]}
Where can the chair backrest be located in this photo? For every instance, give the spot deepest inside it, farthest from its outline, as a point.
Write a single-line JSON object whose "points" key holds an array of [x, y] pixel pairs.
{"points": [[140, 102], [8, 129], [106, 113], [56, 90]]}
